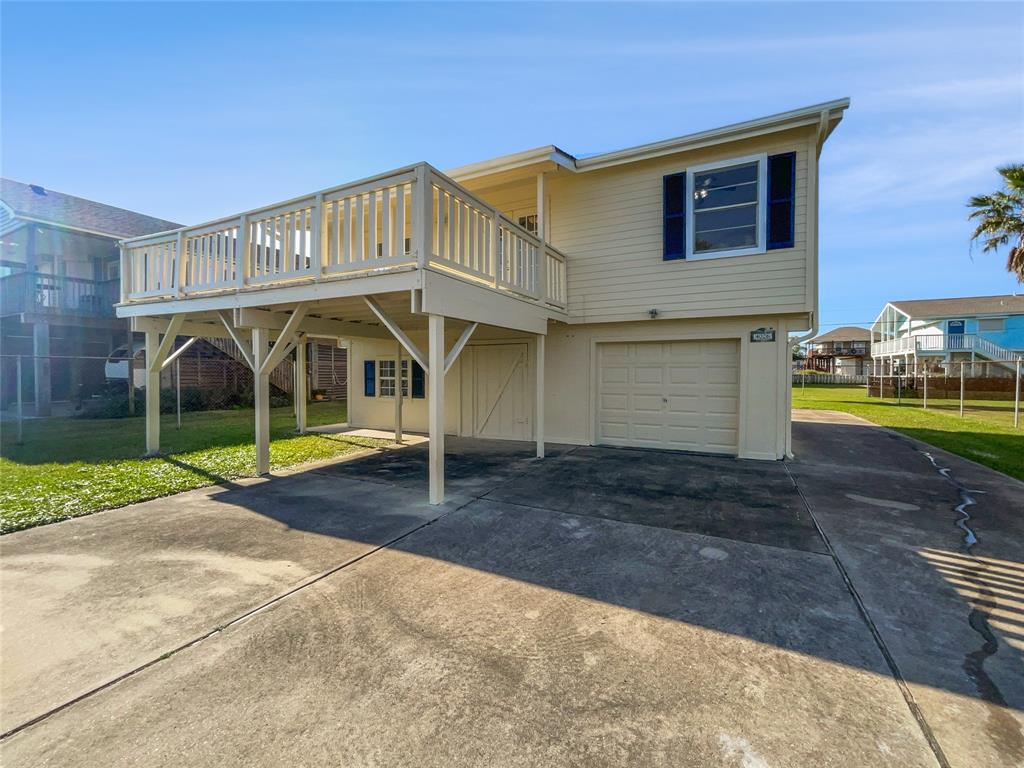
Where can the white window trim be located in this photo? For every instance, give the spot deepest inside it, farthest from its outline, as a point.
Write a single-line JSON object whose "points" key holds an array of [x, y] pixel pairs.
{"points": [[380, 378], [762, 207], [407, 395]]}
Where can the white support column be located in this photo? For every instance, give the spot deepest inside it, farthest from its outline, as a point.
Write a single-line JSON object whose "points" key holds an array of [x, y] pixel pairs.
{"points": [[542, 264], [538, 366], [152, 394], [435, 406], [261, 398], [301, 395], [398, 391]]}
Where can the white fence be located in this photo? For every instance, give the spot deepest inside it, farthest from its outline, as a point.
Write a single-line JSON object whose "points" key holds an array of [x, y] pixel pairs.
{"points": [[827, 378], [412, 217]]}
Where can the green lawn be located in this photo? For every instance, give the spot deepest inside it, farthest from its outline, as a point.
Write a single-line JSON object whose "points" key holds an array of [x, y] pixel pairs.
{"points": [[985, 433], [70, 467]]}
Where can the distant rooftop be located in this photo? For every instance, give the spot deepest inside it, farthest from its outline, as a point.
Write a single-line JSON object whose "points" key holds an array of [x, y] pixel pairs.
{"points": [[31, 201], [844, 333], [966, 305]]}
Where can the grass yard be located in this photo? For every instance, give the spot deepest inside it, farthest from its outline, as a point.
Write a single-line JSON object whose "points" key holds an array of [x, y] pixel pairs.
{"points": [[68, 467], [985, 434]]}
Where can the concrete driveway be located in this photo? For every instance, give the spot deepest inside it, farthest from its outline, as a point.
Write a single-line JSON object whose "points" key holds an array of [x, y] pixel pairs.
{"points": [[600, 607]]}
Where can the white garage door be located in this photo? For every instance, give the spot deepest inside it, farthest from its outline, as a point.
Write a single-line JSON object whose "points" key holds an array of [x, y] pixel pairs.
{"points": [[682, 395]]}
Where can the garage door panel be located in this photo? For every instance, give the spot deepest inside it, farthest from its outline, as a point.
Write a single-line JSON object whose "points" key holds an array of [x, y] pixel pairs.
{"points": [[613, 401], [726, 405], [680, 395], [648, 431], [648, 374], [616, 430], [720, 376], [684, 404], [682, 351], [646, 353], [646, 403], [685, 374], [614, 374]]}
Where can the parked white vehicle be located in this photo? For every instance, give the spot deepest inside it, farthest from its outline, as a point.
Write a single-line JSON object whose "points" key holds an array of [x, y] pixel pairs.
{"points": [[116, 367]]}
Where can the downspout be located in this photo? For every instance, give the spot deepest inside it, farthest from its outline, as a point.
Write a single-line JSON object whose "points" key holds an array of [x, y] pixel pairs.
{"points": [[822, 134]]}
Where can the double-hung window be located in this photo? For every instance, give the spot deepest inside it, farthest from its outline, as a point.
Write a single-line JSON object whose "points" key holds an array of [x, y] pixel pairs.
{"points": [[727, 208], [380, 379], [733, 207], [386, 378]]}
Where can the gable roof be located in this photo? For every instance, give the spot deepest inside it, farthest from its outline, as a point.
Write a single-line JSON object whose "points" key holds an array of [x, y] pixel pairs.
{"points": [[826, 115], [1008, 304], [34, 203], [844, 333]]}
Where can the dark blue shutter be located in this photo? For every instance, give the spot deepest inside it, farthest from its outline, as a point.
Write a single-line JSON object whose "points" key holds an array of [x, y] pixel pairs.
{"points": [[674, 213], [781, 200], [418, 385], [369, 378]]}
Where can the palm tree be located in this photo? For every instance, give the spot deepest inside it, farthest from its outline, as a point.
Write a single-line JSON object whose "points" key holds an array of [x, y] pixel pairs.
{"points": [[1001, 218]]}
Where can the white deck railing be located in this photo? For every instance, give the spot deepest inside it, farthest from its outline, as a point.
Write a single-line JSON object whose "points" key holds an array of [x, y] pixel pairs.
{"points": [[371, 226], [937, 342]]}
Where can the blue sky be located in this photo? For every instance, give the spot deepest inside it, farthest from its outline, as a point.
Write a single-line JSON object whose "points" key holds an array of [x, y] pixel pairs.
{"points": [[190, 111]]}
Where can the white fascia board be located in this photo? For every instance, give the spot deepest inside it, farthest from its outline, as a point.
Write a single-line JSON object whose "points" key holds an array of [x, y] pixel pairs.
{"points": [[811, 115], [550, 153], [70, 227], [343, 287], [736, 132]]}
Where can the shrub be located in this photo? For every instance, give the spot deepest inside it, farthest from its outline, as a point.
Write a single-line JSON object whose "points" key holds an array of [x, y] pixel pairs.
{"points": [[112, 402]]}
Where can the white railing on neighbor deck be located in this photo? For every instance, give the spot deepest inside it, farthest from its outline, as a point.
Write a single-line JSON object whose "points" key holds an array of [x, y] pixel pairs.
{"points": [[949, 342], [370, 227]]}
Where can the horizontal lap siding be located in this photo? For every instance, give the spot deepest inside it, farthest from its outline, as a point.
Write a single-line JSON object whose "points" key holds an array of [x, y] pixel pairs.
{"points": [[609, 225]]}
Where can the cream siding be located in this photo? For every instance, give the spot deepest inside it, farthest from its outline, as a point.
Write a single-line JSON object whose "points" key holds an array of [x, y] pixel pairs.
{"points": [[609, 225], [571, 361]]}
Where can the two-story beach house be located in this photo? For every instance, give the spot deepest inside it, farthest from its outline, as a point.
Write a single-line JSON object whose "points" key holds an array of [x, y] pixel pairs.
{"points": [[59, 281], [643, 297], [843, 351], [908, 335]]}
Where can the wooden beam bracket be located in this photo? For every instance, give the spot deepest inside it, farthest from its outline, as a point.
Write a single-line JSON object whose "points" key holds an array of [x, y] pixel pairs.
{"points": [[456, 350], [397, 332]]}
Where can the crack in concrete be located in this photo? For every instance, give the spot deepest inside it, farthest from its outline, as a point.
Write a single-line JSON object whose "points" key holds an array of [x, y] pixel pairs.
{"points": [[1002, 728]]}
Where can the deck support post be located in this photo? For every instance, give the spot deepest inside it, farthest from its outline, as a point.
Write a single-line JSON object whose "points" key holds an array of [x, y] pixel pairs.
{"points": [[539, 369], [261, 398], [152, 394], [435, 406], [157, 350], [398, 392], [300, 394]]}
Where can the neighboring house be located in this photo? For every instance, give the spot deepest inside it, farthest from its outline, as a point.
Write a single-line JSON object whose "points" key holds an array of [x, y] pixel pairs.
{"points": [[59, 281], [944, 332], [59, 278], [843, 351], [641, 298]]}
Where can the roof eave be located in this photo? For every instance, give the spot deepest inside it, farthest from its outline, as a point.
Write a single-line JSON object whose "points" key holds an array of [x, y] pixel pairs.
{"points": [[84, 230], [549, 153], [806, 116]]}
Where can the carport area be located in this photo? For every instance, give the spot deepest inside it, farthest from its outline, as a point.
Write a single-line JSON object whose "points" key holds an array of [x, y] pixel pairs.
{"points": [[603, 606]]}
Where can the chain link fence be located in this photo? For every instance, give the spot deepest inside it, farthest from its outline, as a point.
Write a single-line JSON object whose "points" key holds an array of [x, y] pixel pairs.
{"points": [[977, 388], [201, 378]]}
